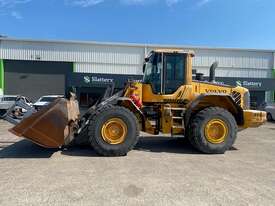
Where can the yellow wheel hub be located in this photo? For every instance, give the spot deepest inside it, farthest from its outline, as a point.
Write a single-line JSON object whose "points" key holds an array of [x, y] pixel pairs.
{"points": [[216, 131], [114, 131]]}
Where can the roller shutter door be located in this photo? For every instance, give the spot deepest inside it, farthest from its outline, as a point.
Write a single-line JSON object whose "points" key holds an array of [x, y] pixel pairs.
{"points": [[35, 78]]}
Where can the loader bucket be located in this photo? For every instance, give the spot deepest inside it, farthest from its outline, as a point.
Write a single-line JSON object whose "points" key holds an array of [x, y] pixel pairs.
{"points": [[50, 126]]}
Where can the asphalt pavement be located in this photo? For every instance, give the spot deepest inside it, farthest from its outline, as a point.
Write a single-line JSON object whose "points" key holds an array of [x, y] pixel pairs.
{"points": [[159, 171]]}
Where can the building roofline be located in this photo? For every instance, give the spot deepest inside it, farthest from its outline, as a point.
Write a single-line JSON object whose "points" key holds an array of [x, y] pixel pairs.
{"points": [[136, 44]]}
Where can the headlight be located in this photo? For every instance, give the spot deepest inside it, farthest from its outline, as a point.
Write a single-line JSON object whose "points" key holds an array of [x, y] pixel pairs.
{"points": [[246, 101]]}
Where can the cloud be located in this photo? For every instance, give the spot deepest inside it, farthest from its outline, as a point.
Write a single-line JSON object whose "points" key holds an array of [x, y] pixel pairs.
{"points": [[172, 2], [12, 3], [7, 7], [16, 15], [203, 2], [84, 3], [142, 2], [137, 2], [89, 3]]}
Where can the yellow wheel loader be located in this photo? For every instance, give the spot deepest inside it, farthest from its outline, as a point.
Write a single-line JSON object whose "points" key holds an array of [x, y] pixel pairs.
{"points": [[168, 101]]}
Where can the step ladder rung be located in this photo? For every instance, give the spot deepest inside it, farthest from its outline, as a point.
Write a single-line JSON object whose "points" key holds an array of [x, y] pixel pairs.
{"points": [[178, 108], [177, 118], [177, 127]]}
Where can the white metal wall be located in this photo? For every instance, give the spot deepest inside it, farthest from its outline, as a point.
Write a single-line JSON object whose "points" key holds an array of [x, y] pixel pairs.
{"points": [[88, 58], [108, 68], [72, 52], [128, 59], [233, 63]]}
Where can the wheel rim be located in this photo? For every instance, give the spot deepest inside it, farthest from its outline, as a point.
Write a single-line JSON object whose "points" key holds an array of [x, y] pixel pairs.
{"points": [[114, 131], [216, 131]]}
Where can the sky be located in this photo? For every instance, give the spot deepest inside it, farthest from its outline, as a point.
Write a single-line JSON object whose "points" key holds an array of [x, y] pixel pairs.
{"points": [[210, 23]]}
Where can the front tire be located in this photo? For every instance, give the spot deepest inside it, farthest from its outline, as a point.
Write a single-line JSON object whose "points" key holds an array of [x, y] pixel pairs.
{"points": [[113, 131], [213, 130]]}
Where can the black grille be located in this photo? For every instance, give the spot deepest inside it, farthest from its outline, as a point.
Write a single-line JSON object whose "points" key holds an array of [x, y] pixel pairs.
{"points": [[237, 97]]}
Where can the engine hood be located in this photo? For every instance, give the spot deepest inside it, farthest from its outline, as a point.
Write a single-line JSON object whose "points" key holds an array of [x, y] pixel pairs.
{"points": [[202, 87]]}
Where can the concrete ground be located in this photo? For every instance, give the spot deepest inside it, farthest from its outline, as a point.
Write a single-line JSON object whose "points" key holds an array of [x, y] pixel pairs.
{"points": [[158, 172]]}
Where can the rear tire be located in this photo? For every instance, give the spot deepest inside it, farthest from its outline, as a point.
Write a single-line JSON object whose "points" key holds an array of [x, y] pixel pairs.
{"points": [[211, 139], [127, 128]]}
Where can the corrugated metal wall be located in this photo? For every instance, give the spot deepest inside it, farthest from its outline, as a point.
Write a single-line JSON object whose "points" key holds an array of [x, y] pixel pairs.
{"points": [[71, 52], [124, 59], [108, 68], [235, 63], [88, 58]]}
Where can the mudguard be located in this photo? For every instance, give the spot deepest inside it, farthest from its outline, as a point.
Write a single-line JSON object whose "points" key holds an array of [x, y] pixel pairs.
{"points": [[215, 100]]}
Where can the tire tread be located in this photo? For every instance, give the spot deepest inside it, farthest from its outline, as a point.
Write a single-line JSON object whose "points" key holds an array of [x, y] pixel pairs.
{"points": [[124, 149], [195, 136]]}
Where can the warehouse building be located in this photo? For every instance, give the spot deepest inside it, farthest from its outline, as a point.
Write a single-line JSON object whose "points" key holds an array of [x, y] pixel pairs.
{"points": [[34, 68]]}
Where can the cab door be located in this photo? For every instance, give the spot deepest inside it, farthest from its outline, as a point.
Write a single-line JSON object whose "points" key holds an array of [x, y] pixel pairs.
{"points": [[174, 72]]}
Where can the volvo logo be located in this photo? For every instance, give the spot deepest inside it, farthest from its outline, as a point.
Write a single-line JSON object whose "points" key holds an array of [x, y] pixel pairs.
{"points": [[215, 90]]}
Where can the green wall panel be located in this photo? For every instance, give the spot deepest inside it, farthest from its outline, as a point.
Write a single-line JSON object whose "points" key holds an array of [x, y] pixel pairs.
{"points": [[2, 78], [273, 98]]}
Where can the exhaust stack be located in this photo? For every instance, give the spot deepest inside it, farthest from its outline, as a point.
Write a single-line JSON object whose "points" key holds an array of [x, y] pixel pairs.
{"points": [[212, 71]]}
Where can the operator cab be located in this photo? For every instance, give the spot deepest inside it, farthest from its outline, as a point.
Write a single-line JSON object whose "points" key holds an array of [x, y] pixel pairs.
{"points": [[165, 70]]}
